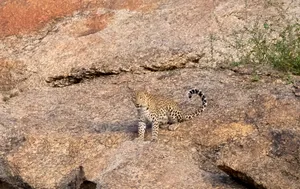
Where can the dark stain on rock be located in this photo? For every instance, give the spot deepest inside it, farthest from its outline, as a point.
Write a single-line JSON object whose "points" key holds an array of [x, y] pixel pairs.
{"points": [[285, 143]]}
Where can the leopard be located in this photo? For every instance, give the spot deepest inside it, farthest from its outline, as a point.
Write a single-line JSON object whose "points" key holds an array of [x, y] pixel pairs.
{"points": [[160, 111]]}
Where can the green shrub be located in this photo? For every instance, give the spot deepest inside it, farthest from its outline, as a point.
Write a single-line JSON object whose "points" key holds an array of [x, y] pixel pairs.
{"points": [[282, 51], [284, 54]]}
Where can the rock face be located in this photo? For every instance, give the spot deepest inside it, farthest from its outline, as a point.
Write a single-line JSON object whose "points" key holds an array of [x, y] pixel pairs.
{"points": [[66, 114], [268, 158], [264, 162]]}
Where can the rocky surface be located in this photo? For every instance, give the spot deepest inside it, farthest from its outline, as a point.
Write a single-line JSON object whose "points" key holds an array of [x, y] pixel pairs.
{"points": [[66, 114], [268, 158], [264, 161]]}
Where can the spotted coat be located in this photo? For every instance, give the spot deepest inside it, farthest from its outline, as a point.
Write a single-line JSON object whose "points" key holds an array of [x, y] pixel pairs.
{"points": [[159, 111]]}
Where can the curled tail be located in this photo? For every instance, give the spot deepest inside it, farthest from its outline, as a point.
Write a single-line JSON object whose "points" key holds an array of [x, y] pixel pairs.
{"points": [[204, 103]]}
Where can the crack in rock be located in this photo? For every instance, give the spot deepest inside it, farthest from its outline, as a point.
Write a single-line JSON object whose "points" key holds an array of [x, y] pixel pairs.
{"points": [[9, 176], [77, 75], [242, 177], [177, 62]]}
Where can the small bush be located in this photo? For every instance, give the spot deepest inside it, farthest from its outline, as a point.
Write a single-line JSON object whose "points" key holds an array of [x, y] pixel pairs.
{"points": [[284, 54], [281, 51]]}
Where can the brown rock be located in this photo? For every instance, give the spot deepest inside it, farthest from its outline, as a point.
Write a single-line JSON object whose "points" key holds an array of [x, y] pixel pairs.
{"points": [[264, 161], [228, 132], [79, 133], [69, 159], [150, 165], [10, 178]]}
